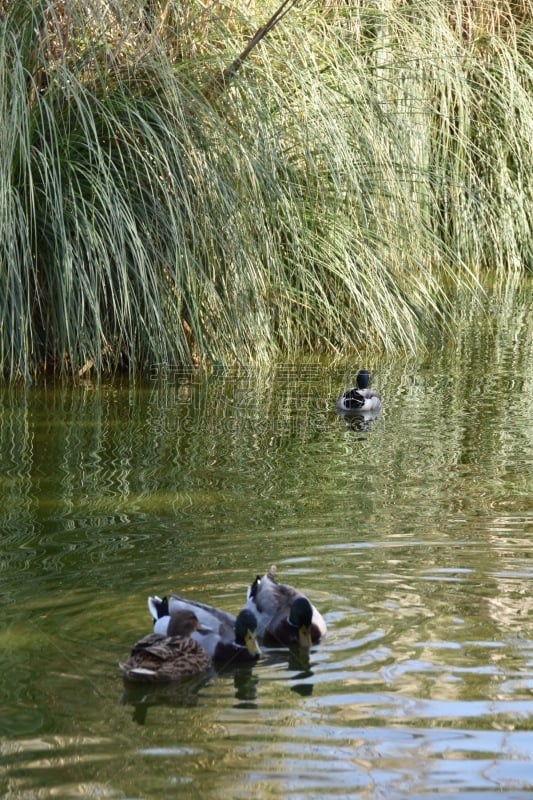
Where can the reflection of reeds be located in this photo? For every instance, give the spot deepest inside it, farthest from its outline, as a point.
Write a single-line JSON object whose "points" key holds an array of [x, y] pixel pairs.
{"points": [[355, 169]]}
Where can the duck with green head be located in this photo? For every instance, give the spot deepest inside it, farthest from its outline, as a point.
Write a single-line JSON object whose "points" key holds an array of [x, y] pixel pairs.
{"points": [[229, 640], [284, 615], [360, 398]]}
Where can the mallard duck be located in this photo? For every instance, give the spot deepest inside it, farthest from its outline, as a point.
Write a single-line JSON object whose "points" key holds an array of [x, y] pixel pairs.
{"points": [[284, 615], [360, 397], [161, 658], [227, 639]]}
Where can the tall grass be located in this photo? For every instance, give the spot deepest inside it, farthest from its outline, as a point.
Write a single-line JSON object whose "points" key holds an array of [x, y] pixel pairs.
{"points": [[358, 169]]}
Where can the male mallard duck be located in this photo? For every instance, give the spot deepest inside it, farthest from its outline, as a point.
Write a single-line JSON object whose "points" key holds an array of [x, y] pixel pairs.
{"points": [[360, 397], [284, 615], [159, 658], [227, 639]]}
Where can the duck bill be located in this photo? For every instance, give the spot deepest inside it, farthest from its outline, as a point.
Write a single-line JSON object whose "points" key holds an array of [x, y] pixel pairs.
{"points": [[304, 636], [250, 640]]}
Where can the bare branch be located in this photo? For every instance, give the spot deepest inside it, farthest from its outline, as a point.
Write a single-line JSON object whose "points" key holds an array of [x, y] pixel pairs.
{"points": [[221, 82]]}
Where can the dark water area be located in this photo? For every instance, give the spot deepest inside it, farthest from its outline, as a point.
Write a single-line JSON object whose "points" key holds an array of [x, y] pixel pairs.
{"points": [[411, 531]]}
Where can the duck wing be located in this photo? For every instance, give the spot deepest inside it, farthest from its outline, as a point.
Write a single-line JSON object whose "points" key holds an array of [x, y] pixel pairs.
{"points": [[210, 618], [352, 399], [270, 601], [271, 597], [164, 658]]}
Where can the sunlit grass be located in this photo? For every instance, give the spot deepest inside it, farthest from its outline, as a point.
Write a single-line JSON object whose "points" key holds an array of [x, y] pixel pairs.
{"points": [[363, 168]]}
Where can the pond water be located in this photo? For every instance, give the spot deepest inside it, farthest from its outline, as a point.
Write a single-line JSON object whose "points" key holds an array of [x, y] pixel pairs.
{"points": [[412, 532]]}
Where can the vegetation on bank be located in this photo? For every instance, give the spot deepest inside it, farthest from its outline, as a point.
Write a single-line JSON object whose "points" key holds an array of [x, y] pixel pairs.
{"points": [[338, 187]]}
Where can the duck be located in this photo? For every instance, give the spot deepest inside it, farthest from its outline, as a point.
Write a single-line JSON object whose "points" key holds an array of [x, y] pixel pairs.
{"points": [[284, 615], [162, 658], [229, 640], [360, 397]]}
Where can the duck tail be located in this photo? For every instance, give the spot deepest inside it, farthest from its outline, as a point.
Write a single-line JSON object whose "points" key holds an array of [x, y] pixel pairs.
{"points": [[158, 607], [141, 673], [131, 672], [252, 591]]}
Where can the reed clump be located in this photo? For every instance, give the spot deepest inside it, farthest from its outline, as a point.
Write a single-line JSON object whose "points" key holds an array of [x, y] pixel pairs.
{"points": [[338, 187]]}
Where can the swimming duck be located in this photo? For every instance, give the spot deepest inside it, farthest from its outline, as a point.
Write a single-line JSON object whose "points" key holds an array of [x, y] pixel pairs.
{"points": [[284, 615], [360, 397], [229, 640], [161, 658]]}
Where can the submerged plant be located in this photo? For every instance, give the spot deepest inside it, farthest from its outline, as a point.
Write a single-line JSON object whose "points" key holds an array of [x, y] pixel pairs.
{"points": [[164, 202]]}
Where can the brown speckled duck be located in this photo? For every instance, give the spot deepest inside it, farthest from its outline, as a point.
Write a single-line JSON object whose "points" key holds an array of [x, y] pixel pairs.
{"points": [[161, 658]]}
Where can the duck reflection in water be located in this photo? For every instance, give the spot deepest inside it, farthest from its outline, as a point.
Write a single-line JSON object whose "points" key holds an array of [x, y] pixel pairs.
{"points": [[360, 421], [179, 694], [295, 660], [300, 662], [245, 682], [188, 692]]}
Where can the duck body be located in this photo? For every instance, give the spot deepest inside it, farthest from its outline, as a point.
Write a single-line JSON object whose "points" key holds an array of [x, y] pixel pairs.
{"points": [[284, 615], [162, 658], [229, 640], [360, 398]]}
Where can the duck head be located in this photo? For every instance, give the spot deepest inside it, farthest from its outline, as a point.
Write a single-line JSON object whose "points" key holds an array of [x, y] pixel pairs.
{"points": [[246, 632], [301, 616], [183, 623], [363, 379]]}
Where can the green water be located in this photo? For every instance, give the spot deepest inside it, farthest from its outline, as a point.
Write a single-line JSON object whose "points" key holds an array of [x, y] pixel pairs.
{"points": [[411, 532]]}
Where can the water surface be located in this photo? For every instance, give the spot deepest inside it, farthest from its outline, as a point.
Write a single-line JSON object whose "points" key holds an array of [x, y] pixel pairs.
{"points": [[412, 532]]}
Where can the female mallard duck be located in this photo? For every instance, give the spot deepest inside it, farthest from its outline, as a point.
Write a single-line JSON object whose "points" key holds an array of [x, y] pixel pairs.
{"points": [[159, 658], [284, 615], [360, 397], [227, 639]]}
